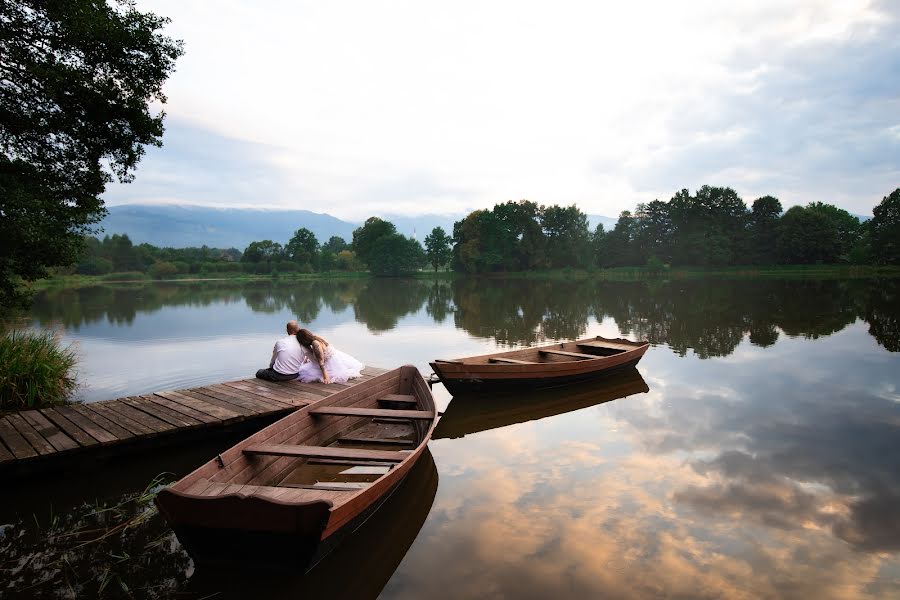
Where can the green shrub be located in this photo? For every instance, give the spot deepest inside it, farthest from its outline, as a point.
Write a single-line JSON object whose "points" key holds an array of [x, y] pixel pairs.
{"points": [[125, 276], [35, 370], [162, 269]]}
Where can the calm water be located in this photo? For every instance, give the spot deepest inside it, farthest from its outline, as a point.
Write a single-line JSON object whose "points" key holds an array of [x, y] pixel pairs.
{"points": [[756, 454]]}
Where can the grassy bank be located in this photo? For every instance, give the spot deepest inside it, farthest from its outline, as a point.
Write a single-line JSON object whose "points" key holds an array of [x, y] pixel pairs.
{"points": [[35, 370]]}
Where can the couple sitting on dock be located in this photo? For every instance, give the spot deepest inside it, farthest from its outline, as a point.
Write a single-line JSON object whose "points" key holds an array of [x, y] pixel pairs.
{"points": [[305, 356]]}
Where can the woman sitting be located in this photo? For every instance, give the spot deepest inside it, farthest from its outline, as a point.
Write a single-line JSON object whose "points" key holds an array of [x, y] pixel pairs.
{"points": [[324, 362]]}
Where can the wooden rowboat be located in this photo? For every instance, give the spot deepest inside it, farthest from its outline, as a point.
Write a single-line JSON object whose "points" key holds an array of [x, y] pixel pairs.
{"points": [[542, 366], [471, 414], [285, 495]]}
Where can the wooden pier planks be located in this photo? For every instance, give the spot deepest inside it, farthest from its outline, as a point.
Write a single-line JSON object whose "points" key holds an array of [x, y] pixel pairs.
{"points": [[40, 435]]}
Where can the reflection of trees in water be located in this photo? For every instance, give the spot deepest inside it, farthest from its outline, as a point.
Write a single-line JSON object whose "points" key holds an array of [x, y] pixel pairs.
{"points": [[440, 301], [882, 314], [382, 302], [710, 316], [120, 550], [522, 311]]}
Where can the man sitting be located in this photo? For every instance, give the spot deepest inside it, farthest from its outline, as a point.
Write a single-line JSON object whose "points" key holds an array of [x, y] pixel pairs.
{"points": [[287, 356]]}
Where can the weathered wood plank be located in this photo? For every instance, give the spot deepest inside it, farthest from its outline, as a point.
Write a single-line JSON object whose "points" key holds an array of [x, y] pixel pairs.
{"points": [[50, 432], [14, 441], [86, 425], [28, 432], [423, 415], [324, 452], [265, 404], [154, 424], [290, 386], [250, 408], [294, 398], [71, 429], [183, 409], [376, 441], [512, 361], [162, 413], [577, 355], [104, 409], [5, 455], [94, 417], [213, 409]]}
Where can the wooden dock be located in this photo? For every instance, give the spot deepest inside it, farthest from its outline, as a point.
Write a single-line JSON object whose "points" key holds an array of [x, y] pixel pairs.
{"points": [[40, 437]]}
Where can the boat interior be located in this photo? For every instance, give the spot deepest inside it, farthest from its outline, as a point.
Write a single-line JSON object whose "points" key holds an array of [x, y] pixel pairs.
{"points": [[328, 452], [579, 350]]}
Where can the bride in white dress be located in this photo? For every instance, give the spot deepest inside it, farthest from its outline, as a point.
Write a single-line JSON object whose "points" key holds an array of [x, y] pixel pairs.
{"points": [[324, 362]]}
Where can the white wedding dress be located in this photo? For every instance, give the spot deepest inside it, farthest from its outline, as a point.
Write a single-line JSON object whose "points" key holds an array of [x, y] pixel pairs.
{"points": [[341, 366]]}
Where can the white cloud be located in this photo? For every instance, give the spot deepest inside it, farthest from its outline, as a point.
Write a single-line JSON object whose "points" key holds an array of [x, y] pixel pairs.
{"points": [[556, 102]]}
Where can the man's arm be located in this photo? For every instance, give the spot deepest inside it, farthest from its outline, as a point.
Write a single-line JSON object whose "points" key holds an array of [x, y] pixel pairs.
{"points": [[274, 354]]}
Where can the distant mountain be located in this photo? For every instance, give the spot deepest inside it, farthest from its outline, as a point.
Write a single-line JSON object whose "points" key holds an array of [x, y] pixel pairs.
{"points": [[183, 226]]}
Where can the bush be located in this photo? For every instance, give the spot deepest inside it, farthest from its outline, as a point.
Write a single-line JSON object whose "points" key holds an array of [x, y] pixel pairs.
{"points": [[162, 269], [35, 370], [96, 265], [125, 276]]}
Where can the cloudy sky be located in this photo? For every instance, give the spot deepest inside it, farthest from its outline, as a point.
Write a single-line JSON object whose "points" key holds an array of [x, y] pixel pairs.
{"points": [[360, 108]]}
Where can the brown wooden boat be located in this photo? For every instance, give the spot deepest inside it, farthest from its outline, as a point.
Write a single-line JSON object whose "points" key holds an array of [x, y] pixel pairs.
{"points": [[542, 366], [471, 414], [285, 495]]}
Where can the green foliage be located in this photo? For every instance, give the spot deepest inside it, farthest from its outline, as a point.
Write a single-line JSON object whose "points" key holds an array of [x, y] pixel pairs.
{"points": [[77, 79], [335, 245], [303, 247], [265, 251], [437, 247], [885, 230], [35, 370], [806, 236], [364, 238], [162, 269], [394, 254]]}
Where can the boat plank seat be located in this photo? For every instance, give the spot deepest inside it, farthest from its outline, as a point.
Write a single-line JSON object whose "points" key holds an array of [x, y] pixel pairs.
{"points": [[324, 452], [424, 415], [570, 354], [331, 486], [608, 345], [376, 441], [512, 361], [398, 401]]}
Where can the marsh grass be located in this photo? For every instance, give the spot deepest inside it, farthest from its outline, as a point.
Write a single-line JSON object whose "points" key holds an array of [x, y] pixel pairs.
{"points": [[35, 370], [107, 549]]}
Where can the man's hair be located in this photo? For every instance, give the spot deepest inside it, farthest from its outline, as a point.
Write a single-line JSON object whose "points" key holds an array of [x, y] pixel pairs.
{"points": [[293, 327]]}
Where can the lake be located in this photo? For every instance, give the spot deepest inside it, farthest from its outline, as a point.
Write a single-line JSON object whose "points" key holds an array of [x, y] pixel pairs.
{"points": [[755, 453]]}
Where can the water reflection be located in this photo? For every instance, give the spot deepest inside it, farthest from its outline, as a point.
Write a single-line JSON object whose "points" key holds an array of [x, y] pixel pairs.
{"points": [[472, 414], [708, 317]]}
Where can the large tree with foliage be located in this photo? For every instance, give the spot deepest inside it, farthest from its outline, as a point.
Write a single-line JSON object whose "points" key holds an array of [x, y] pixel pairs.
{"points": [[885, 230], [364, 238], [77, 79], [762, 231], [437, 247], [303, 247], [394, 254]]}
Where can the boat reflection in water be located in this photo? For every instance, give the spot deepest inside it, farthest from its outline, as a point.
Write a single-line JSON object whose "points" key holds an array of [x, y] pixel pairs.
{"points": [[469, 414], [359, 567]]}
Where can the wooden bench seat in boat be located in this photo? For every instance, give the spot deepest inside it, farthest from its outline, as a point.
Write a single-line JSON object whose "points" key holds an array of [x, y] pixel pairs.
{"points": [[512, 361], [325, 452], [296, 493], [398, 401], [423, 415], [569, 354], [607, 346]]}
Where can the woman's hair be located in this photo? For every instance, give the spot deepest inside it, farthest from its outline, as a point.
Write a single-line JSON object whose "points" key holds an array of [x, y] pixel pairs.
{"points": [[307, 337]]}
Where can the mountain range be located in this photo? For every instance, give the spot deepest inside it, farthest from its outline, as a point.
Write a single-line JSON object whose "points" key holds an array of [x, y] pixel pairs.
{"points": [[180, 226]]}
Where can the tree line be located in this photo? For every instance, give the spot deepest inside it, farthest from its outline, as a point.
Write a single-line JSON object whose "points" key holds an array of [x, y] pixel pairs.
{"points": [[712, 227]]}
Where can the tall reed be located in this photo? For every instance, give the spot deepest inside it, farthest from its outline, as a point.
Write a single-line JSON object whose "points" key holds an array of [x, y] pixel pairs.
{"points": [[35, 370]]}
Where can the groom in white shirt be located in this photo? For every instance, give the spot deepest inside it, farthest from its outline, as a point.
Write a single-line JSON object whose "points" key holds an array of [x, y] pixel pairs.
{"points": [[287, 356]]}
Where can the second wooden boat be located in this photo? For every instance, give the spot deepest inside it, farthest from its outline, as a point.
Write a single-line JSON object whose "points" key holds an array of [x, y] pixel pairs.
{"points": [[285, 495], [542, 366]]}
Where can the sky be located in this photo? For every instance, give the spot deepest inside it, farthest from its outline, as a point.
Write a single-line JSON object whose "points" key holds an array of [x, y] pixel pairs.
{"points": [[410, 107]]}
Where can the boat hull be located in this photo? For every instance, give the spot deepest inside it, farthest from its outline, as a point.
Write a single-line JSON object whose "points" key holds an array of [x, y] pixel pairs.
{"points": [[463, 378]]}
